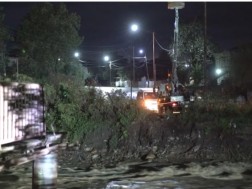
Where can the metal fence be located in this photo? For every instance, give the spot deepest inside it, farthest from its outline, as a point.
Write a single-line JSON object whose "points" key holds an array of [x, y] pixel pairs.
{"points": [[21, 112]]}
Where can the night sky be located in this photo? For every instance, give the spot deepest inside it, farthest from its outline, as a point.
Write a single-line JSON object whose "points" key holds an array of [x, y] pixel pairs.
{"points": [[105, 25]]}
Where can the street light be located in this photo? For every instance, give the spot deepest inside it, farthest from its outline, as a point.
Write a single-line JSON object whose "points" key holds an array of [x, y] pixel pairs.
{"points": [[218, 71], [141, 51], [134, 27], [107, 59], [77, 55]]}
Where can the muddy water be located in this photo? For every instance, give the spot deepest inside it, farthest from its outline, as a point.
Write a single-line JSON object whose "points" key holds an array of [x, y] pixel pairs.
{"points": [[141, 176]]}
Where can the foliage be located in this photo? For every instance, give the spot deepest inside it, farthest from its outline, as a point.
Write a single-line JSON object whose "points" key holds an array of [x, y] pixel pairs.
{"points": [[241, 66], [219, 114], [4, 34], [80, 110], [191, 50], [49, 32], [4, 37]]}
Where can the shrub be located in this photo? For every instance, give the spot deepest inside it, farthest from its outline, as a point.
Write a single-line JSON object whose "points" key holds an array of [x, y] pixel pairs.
{"points": [[78, 110]]}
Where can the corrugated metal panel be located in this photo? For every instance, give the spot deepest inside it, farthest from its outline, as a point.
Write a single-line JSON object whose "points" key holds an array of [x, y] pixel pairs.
{"points": [[21, 111]]}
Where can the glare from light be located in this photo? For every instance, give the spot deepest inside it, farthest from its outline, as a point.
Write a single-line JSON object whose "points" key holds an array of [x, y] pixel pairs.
{"points": [[106, 58], [151, 104], [76, 54], [58, 59], [218, 71], [186, 65], [134, 27], [141, 51]]}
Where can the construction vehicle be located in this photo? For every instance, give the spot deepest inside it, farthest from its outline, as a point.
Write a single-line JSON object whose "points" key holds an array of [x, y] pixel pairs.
{"points": [[170, 102]]}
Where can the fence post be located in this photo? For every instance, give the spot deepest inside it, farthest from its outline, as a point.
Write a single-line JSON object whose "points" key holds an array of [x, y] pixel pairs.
{"points": [[45, 172]]}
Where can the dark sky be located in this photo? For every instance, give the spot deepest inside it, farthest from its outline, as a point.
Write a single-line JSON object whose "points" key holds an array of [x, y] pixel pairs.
{"points": [[105, 25]]}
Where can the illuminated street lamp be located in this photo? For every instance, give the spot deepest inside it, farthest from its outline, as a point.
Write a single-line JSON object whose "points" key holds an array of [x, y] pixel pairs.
{"points": [[135, 27], [141, 51], [106, 58], [218, 71], [76, 54]]}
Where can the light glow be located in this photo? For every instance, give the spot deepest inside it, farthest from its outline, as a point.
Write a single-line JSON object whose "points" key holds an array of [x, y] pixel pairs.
{"points": [[106, 58], [218, 71], [134, 27], [151, 104], [76, 54]]}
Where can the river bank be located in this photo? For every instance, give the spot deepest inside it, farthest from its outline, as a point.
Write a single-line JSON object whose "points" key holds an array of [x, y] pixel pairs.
{"points": [[163, 140]]}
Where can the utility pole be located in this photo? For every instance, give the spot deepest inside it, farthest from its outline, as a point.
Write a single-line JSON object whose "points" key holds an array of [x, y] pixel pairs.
{"points": [[147, 71], [110, 62], [133, 64], [176, 6], [153, 57]]}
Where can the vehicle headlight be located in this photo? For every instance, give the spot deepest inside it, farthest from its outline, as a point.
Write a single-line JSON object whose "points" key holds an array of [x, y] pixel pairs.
{"points": [[151, 104]]}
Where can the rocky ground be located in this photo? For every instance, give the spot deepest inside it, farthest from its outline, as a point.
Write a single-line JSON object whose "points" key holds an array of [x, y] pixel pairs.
{"points": [[161, 140], [186, 153]]}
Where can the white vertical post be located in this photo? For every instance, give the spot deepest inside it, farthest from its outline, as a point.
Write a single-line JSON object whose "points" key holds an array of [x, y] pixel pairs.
{"points": [[45, 172], [1, 115]]}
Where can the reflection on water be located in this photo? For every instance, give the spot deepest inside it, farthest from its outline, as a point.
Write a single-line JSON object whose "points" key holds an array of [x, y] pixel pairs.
{"points": [[141, 176]]}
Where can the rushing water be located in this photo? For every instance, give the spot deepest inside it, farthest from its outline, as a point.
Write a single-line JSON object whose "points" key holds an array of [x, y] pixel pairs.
{"points": [[141, 175]]}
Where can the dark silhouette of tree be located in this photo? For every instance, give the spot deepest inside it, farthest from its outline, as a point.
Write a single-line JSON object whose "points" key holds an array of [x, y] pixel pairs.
{"points": [[191, 51], [4, 37], [48, 37], [241, 66]]}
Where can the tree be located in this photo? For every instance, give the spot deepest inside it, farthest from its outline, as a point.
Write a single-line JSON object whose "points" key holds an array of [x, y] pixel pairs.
{"points": [[4, 36], [48, 36], [191, 51], [241, 66]]}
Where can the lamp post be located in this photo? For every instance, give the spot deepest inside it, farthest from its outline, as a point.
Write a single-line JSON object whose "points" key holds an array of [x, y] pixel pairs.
{"points": [[147, 71], [153, 59], [134, 27], [176, 6], [107, 59]]}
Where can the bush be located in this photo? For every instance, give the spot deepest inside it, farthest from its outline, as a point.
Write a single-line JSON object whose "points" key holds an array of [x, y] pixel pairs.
{"points": [[220, 114], [78, 111]]}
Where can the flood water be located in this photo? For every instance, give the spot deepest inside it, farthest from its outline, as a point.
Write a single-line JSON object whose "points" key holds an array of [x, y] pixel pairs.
{"points": [[141, 175]]}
